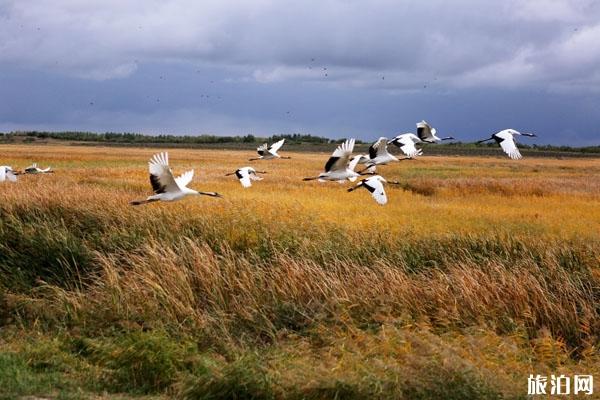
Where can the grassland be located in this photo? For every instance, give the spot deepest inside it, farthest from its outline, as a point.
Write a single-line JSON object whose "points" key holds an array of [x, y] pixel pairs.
{"points": [[478, 272]]}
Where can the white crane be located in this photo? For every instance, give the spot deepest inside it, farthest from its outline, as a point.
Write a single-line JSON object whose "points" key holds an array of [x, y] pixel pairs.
{"points": [[506, 140], [374, 185], [337, 167], [428, 134], [246, 175], [165, 186], [266, 152], [406, 142], [34, 169], [7, 172], [378, 155]]}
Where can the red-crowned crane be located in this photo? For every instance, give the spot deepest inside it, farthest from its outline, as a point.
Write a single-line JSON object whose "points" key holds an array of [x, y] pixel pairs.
{"points": [[166, 187]]}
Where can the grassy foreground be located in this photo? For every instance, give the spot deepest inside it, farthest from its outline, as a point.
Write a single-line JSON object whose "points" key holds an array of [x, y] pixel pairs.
{"points": [[478, 272]]}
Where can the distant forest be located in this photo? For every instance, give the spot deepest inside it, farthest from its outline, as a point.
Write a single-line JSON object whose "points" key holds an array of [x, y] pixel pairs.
{"points": [[293, 139], [113, 137]]}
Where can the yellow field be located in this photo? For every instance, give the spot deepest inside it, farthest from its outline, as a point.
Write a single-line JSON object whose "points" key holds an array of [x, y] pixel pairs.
{"points": [[461, 194], [478, 272]]}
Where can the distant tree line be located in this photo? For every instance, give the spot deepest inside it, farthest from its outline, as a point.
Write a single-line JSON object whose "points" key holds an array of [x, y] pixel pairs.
{"points": [[296, 138], [113, 137]]}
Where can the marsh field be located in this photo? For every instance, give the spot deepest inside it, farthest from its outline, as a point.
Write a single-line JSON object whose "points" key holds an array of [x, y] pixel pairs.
{"points": [[478, 272]]}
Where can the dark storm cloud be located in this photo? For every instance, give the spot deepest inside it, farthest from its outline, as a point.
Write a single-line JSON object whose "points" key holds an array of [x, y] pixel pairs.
{"points": [[343, 66]]}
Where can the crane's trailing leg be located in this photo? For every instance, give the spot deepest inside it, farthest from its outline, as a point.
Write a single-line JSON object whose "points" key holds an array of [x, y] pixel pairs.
{"points": [[140, 202]]}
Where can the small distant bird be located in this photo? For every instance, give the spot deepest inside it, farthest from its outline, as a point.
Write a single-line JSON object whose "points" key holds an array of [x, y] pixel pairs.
{"points": [[337, 167], [165, 186], [374, 185], [246, 175], [34, 169], [7, 172], [269, 152], [406, 142], [506, 140], [428, 134]]}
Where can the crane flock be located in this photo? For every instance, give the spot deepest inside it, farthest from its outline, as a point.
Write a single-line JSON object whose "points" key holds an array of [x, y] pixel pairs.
{"points": [[340, 167]]}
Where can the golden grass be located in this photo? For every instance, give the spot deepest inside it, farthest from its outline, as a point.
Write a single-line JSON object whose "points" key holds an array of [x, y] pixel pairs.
{"points": [[532, 196], [476, 266]]}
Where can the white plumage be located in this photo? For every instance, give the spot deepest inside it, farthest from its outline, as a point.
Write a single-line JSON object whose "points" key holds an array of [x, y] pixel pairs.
{"points": [[339, 167], [7, 173], [507, 142], [428, 134], [165, 186], [374, 185], [246, 175], [406, 142], [34, 169], [378, 153], [266, 152]]}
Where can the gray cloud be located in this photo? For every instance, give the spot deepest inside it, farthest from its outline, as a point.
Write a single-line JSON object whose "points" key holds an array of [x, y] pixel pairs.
{"points": [[466, 43], [124, 55]]}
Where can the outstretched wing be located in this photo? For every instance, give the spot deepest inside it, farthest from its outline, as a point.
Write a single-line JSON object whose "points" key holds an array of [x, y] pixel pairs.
{"points": [[339, 159], [510, 148], [253, 176], [276, 146], [353, 163], [243, 175], [379, 148], [406, 144], [184, 179], [161, 177], [507, 142], [424, 131], [262, 149], [7, 173], [11, 176], [376, 188]]}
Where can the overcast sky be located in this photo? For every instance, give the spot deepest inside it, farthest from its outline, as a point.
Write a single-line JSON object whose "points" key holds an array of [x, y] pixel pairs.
{"points": [[329, 67]]}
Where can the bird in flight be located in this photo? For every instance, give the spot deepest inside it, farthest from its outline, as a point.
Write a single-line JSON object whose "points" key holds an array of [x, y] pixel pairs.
{"points": [[506, 140], [266, 152], [428, 134], [246, 175], [165, 186], [378, 155], [406, 142], [374, 185], [339, 167], [34, 169], [7, 173]]}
